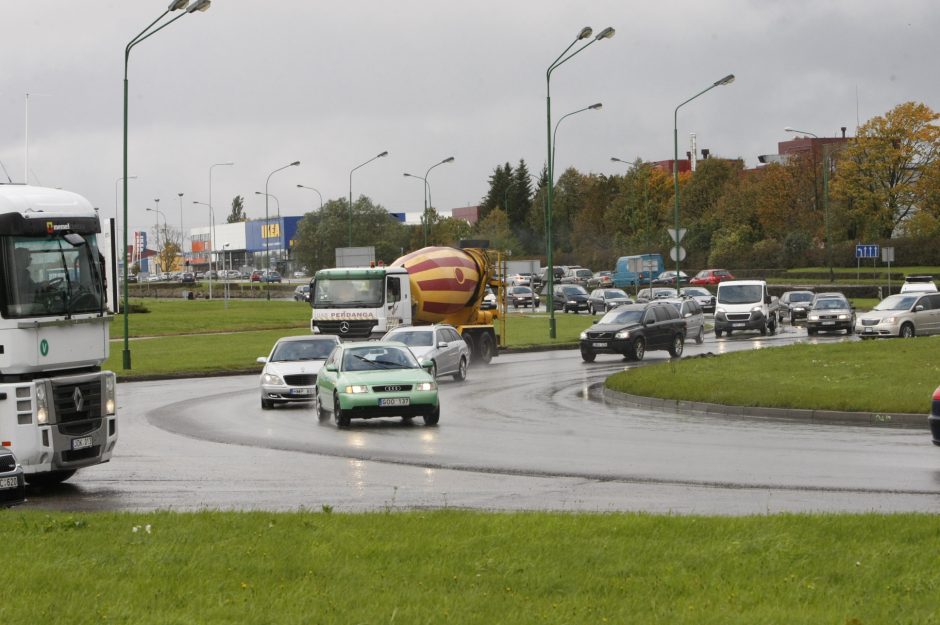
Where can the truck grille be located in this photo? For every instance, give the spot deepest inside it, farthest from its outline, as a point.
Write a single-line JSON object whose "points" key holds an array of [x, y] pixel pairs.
{"points": [[353, 328], [301, 379], [77, 401], [738, 316]]}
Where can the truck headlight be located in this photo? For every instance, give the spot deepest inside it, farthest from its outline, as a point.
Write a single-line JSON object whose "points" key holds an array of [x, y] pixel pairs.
{"points": [[353, 389], [757, 309], [425, 386], [42, 405], [109, 395], [623, 334], [272, 379]]}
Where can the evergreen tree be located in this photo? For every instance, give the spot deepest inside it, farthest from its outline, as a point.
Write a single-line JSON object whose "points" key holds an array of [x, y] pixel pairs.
{"points": [[238, 210]]}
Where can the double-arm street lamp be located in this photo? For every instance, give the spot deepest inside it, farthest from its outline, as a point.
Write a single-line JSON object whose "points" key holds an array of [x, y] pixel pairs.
{"points": [[152, 29], [585, 32], [349, 216], [827, 165], [265, 229], [300, 186], [427, 196], [727, 80]]}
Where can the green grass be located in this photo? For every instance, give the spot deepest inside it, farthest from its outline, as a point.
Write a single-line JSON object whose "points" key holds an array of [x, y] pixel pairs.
{"points": [[171, 316], [891, 375], [466, 567]]}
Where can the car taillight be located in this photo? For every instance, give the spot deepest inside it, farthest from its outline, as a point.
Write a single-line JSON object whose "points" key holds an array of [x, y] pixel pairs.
{"points": [[935, 408]]}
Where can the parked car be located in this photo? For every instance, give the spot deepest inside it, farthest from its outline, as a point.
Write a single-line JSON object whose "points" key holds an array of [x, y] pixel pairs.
{"points": [[12, 482], [795, 304], [570, 298], [656, 292], [669, 277], [290, 370], [440, 343], [521, 279], [132, 277], [540, 279], [693, 315], [489, 300], [934, 419], [919, 284], [187, 277], [634, 329], [600, 280], [302, 293], [904, 315], [605, 300], [376, 379], [212, 274], [830, 312], [517, 296], [577, 275], [707, 277], [701, 295], [270, 276], [256, 276], [299, 274]]}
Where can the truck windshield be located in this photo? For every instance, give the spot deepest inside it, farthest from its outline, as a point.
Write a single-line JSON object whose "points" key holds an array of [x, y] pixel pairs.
{"points": [[50, 276], [740, 294], [349, 292]]}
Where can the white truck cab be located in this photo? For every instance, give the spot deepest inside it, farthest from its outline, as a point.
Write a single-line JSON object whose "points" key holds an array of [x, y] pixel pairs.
{"points": [[745, 305]]}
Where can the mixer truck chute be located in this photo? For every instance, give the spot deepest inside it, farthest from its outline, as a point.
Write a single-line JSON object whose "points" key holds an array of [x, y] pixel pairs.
{"points": [[431, 285]]}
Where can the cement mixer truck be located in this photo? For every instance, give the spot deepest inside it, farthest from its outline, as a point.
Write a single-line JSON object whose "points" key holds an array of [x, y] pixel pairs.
{"points": [[57, 406], [431, 285]]}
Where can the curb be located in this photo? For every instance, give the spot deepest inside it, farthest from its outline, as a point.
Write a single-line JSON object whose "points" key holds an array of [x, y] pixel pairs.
{"points": [[895, 419]]}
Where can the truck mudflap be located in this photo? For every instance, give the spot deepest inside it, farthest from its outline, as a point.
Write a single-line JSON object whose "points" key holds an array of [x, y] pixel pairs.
{"points": [[482, 342]]}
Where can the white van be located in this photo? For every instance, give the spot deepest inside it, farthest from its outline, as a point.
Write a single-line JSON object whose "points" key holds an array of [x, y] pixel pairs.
{"points": [[745, 305]]}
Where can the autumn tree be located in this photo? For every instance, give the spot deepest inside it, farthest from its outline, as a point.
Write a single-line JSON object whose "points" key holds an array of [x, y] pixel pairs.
{"points": [[881, 175]]}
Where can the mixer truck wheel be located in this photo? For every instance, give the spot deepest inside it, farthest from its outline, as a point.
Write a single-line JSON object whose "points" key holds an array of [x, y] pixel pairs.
{"points": [[487, 348], [471, 344]]}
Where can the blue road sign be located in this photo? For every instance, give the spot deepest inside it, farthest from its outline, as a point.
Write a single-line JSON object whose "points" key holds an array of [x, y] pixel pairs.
{"points": [[867, 251]]}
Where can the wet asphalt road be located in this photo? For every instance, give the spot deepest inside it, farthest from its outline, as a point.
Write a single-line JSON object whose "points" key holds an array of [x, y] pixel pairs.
{"points": [[530, 431]]}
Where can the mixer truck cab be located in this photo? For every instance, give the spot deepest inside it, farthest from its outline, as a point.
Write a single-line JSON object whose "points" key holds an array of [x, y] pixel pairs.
{"points": [[432, 285]]}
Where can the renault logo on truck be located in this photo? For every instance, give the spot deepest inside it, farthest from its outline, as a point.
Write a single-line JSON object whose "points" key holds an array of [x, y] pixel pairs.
{"points": [[78, 399]]}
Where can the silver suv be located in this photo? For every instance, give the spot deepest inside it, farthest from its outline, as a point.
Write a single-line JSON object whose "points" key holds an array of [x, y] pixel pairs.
{"points": [[904, 315]]}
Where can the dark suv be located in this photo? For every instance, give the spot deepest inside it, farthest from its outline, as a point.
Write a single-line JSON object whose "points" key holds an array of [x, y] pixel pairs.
{"points": [[634, 329]]}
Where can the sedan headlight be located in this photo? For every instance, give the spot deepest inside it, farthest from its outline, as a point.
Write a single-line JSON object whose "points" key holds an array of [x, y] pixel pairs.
{"points": [[271, 379], [354, 389], [623, 334], [843, 317], [814, 317], [425, 386]]}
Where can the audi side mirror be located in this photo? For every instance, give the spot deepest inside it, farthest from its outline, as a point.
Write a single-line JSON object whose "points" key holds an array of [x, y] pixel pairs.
{"points": [[330, 367]]}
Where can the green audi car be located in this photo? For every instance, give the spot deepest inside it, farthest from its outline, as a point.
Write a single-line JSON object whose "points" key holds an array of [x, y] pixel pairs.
{"points": [[376, 379]]}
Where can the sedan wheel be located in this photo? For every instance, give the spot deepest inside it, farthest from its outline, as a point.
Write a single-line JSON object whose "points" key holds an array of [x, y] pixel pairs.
{"points": [[433, 418], [700, 337], [322, 414], [342, 419], [266, 404], [461, 374]]}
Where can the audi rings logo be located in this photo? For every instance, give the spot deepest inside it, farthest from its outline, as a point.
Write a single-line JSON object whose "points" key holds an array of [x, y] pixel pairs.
{"points": [[344, 327], [392, 389]]}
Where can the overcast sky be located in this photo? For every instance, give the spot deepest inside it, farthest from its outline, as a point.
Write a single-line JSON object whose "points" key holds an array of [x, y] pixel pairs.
{"points": [[265, 83]]}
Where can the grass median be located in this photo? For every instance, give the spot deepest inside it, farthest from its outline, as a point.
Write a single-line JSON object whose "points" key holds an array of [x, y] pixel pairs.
{"points": [[466, 567]]}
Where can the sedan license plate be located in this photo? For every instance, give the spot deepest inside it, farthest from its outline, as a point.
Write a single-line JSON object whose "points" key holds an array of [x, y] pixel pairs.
{"points": [[600, 344], [868, 330], [829, 323], [737, 325], [7, 483], [81, 443], [395, 401], [300, 391]]}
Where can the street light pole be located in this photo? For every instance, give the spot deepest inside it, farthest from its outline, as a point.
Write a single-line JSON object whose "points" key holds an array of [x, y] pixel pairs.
{"points": [[182, 237], [265, 232], [349, 216], [585, 32], [175, 5], [212, 220], [427, 199], [727, 80], [157, 215], [117, 215], [300, 186], [593, 107]]}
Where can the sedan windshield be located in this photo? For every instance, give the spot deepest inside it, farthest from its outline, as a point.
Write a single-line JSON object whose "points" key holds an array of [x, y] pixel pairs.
{"points": [[615, 294], [801, 297], [897, 302], [830, 303], [376, 358], [622, 317], [302, 350], [413, 338]]}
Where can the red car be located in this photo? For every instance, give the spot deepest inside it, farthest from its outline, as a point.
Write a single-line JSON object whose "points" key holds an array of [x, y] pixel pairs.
{"points": [[711, 276]]}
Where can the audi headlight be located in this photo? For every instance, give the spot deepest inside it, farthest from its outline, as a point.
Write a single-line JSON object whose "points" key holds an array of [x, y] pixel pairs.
{"points": [[353, 389], [272, 379], [623, 334], [425, 386], [42, 405], [109, 395]]}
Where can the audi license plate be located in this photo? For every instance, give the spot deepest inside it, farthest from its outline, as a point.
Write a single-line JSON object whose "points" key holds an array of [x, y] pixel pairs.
{"points": [[395, 401], [300, 391], [81, 443], [7, 483], [600, 344]]}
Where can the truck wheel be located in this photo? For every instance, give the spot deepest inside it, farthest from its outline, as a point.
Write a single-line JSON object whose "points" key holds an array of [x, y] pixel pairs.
{"points": [[637, 350], [587, 355], [907, 331], [433, 418], [49, 479], [342, 419], [487, 349], [678, 344], [461, 374]]}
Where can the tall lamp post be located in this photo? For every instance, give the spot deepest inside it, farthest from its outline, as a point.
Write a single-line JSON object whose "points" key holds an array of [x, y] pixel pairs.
{"points": [[212, 219], [277, 203], [182, 237], [349, 216], [264, 229], [117, 215], [152, 29], [300, 186], [826, 167], [211, 241], [157, 215], [727, 80], [585, 32], [593, 107], [427, 196]]}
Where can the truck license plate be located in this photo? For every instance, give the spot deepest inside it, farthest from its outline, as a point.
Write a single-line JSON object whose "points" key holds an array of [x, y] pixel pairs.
{"points": [[81, 443], [7, 483], [395, 401]]}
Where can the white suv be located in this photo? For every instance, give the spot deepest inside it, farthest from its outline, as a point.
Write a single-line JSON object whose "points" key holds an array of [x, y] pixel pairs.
{"points": [[918, 284]]}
